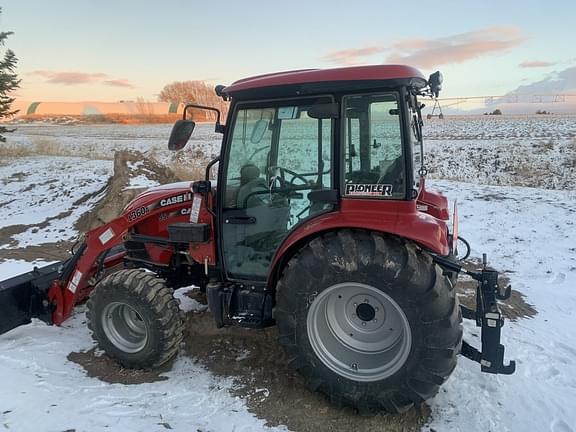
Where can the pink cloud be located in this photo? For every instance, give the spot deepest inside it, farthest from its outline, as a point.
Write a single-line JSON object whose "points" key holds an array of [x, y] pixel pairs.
{"points": [[118, 83], [536, 64], [433, 52], [69, 78], [457, 48], [76, 78]]}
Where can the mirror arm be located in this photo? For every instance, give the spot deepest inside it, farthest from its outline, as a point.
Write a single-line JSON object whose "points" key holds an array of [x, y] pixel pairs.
{"points": [[207, 189], [219, 127], [209, 166]]}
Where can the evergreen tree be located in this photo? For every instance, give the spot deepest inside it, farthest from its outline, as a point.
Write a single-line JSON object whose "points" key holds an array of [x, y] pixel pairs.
{"points": [[8, 82]]}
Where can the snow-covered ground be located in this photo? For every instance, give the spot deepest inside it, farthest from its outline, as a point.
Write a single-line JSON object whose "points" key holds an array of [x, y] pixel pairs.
{"points": [[44, 391], [49, 194], [530, 233], [538, 151], [527, 232]]}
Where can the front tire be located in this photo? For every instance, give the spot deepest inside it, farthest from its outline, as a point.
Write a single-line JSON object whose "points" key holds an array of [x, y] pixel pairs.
{"points": [[369, 320], [135, 319]]}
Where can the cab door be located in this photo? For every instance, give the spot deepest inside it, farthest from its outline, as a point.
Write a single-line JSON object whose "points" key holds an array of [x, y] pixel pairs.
{"points": [[276, 154]]}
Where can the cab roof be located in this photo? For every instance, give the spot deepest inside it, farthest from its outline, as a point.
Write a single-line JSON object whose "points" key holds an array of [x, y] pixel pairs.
{"points": [[315, 81]]}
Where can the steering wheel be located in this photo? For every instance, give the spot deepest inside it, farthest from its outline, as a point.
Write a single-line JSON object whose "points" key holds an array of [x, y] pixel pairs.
{"points": [[283, 172]]}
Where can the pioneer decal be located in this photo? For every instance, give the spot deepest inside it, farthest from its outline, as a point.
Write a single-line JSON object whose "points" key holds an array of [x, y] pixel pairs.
{"points": [[177, 199], [369, 189]]}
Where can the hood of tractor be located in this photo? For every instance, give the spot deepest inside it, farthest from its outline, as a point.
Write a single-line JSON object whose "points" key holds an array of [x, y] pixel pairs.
{"points": [[161, 196]]}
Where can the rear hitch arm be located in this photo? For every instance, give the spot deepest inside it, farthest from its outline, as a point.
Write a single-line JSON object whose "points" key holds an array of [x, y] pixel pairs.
{"points": [[487, 316]]}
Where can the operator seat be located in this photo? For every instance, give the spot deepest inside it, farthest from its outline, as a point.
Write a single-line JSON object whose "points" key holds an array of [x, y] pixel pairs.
{"points": [[252, 191], [394, 174], [271, 211]]}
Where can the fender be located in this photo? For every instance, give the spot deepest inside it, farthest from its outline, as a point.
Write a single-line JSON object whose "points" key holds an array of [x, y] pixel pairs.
{"points": [[432, 202], [399, 218]]}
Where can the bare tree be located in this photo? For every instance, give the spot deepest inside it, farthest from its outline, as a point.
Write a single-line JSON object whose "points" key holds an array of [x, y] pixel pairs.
{"points": [[198, 92]]}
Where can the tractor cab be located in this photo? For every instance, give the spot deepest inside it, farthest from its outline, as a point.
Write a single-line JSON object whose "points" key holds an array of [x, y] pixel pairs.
{"points": [[304, 144]]}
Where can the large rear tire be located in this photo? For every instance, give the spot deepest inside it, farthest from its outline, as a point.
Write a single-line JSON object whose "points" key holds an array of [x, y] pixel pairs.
{"points": [[369, 320], [135, 319]]}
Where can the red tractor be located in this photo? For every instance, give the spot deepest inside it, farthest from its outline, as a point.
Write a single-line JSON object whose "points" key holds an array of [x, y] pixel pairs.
{"points": [[319, 222]]}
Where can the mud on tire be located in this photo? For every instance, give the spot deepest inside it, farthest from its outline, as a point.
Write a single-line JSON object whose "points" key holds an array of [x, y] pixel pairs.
{"points": [[135, 319], [386, 268]]}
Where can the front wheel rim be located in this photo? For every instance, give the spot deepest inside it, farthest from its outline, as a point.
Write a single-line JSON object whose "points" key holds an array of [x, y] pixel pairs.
{"points": [[359, 332], [124, 327]]}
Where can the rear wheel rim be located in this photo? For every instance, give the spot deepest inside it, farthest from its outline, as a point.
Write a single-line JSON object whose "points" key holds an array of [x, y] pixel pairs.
{"points": [[124, 327], [359, 332]]}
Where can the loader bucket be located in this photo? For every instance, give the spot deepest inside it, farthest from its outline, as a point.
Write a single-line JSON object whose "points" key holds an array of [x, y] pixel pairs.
{"points": [[25, 296]]}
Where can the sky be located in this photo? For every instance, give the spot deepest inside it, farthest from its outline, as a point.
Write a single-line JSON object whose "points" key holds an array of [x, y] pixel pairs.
{"points": [[124, 49]]}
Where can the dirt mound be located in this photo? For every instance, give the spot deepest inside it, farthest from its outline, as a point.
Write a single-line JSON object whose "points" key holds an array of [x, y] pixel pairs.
{"points": [[106, 369], [117, 193]]}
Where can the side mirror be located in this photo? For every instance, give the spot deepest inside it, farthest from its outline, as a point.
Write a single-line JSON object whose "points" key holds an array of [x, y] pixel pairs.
{"points": [[435, 82], [258, 131], [180, 134]]}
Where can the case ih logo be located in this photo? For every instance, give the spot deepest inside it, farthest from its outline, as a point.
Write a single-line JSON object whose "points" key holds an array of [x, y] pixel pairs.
{"points": [[176, 199], [369, 189]]}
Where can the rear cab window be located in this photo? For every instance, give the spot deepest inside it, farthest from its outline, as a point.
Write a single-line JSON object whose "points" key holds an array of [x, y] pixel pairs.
{"points": [[374, 163]]}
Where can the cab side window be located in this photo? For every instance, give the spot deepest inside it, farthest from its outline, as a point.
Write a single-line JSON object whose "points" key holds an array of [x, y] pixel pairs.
{"points": [[249, 153]]}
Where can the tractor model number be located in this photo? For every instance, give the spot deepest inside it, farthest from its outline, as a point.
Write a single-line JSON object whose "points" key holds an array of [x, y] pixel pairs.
{"points": [[138, 213]]}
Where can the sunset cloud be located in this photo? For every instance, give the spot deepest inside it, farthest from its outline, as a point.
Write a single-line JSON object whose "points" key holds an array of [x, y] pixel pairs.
{"points": [[456, 49], [118, 83], [76, 78], [536, 64], [433, 52], [69, 78]]}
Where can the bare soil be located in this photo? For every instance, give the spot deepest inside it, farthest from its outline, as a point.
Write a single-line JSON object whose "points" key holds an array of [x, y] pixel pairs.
{"points": [[104, 368], [273, 391], [513, 309], [46, 252]]}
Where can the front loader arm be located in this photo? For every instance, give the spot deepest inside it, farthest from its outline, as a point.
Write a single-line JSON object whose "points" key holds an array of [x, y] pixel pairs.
{"points": [[50, 293], [76, 281]]}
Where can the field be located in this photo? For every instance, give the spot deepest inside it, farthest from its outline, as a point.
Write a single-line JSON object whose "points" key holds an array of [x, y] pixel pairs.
{"points": [[514, 180]]}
